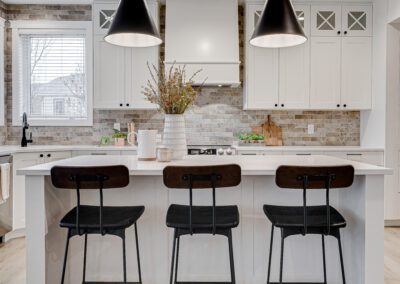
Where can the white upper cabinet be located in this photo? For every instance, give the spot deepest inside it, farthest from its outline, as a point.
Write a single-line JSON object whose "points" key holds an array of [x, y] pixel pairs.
{"points": [[120, 73], [357, 20], [325, 72], [356, 87], [262, 68], [294, 68], [109, 62]]}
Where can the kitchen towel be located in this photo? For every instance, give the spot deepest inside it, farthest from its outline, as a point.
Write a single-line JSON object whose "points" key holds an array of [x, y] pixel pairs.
{"points": [[5, 172]]}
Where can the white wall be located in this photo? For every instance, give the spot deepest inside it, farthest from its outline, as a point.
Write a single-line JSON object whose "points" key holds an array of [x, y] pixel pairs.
{"points": [[373, 123], [393, 10]]}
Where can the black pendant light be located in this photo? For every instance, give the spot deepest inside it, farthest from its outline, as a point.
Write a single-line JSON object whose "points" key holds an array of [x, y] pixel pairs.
{"points": [[133, 26], [278, 26]]}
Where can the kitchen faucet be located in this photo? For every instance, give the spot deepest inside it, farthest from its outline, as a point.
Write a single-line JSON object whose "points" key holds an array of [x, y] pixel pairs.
{"points": [[25, 126]]}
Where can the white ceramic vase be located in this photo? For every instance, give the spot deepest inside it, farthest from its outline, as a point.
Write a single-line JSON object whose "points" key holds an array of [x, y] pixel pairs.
{"points": [[175, 135]]}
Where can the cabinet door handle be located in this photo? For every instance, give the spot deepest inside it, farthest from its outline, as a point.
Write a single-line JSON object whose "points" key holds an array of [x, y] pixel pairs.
{"points": [[276, 105], [305, 154], [345, 32], [282, 105], [41, 155], [338, 105], [48, 155], [98, 154], [127, 105], [120, 105], [354, 154], [344, 105], [338, 32]]}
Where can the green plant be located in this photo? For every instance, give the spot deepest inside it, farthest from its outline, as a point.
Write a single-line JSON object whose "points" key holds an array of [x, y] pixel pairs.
{"points": [[251, 137], [172, 92], [118, 134]]}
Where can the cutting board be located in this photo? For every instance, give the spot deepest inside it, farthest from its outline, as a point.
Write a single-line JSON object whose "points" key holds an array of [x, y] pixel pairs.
{"points": [[272, 133]]}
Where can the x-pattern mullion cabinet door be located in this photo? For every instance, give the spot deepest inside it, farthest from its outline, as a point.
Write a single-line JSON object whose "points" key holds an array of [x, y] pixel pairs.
{"points": [[103, 15], [326, 20], [357, 20], [262, 68], [294, 68]]}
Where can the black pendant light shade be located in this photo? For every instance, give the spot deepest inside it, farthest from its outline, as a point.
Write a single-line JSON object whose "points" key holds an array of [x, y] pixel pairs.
{"points": [[278, 26], [133, 26]]}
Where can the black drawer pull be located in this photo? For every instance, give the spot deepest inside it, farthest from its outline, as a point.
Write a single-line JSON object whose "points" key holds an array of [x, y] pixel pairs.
{"points": [[48, 155]]}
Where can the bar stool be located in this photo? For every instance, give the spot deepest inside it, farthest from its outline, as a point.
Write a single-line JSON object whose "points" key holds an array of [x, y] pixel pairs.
{"points": [[101, 220], [189, 220], [303, 220]]}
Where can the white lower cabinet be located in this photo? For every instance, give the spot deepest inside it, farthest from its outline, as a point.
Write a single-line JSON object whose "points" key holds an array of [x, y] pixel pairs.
{"points": [[24, 160]]}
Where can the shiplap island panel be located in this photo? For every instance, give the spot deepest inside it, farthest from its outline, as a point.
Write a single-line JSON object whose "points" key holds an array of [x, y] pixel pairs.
{"points": [[361, 204]]}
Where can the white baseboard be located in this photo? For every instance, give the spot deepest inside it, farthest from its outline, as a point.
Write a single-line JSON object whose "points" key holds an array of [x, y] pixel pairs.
{"points": [[392, 223], [15, 234]]}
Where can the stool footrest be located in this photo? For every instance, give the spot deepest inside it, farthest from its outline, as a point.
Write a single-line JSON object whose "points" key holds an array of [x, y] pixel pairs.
{"points": [[297, 282], [112, 282], [183, 282]]}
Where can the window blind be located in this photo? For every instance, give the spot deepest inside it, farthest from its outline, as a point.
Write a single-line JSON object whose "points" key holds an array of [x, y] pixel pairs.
{"points": [[53, 76]]}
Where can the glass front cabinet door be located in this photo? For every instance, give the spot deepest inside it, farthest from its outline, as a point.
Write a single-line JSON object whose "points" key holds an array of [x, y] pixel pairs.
{"points": [[357, 20]]}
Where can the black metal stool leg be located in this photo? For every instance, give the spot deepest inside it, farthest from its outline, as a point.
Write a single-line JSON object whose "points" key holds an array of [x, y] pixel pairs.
{"points": [[173, 259], [84, 260], [341, 258], [324, 257], [124, 256], [138, 254], [282, 250], [178, 239], [231, 260], [270, 253], [65, 257]]}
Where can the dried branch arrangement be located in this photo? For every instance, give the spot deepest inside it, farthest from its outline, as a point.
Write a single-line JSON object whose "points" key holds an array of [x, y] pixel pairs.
{"points": [[171, 91]]}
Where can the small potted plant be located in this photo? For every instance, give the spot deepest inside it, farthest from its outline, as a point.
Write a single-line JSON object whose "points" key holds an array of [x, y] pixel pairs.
{"points": [[119, 137]]}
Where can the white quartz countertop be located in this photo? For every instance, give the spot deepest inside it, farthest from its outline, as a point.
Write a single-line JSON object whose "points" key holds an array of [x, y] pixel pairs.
{"points": [[251, 165], [13, 149], [309, 148]]}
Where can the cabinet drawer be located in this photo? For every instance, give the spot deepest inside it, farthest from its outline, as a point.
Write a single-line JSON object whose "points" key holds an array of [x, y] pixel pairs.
{"points": [[373, 158], [96, 153]]}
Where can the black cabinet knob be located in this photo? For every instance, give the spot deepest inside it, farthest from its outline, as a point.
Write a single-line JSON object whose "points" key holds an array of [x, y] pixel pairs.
{"points": [[127, 105], [345, 32], [41, 155], [276, 105], [48, 155], [338, 105], [282, 105], [338, 32], [120, 105], [344, 105]]}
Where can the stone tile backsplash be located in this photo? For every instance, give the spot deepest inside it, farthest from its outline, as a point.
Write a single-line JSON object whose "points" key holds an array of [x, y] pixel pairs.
{"points": [[217, 117]]}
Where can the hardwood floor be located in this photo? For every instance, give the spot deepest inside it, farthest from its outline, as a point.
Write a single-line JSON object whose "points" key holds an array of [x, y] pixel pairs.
{"points": [[12, 259]]}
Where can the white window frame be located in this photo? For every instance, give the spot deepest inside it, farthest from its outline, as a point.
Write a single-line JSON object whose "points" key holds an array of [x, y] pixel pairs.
{"points": [[51, 27], [2, 75]]}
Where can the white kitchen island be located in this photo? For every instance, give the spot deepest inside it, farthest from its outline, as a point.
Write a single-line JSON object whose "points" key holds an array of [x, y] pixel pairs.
{"points": [[205, 258]]}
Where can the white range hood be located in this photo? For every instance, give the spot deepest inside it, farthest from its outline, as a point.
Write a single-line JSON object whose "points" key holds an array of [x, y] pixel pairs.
{"points": [[204, 34]]}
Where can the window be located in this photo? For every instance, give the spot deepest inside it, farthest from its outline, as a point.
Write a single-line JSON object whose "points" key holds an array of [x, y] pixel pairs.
{"points": [[53, 80]]}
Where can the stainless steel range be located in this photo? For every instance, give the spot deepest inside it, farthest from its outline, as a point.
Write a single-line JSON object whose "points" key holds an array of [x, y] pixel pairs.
{"points": [[218, 150]]}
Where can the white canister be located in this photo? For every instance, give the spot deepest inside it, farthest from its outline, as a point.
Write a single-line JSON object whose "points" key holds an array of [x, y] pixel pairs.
{"points": [[147, 144]]}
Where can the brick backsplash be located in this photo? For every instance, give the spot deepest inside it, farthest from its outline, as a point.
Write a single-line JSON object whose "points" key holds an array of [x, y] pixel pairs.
{"points": [[215, 119]]}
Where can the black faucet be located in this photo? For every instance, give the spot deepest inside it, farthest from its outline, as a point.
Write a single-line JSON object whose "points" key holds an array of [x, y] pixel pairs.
{"points": [[25, 126]]}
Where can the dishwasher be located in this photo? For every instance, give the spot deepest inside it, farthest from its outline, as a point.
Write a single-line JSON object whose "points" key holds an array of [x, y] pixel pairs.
{"points": [[6, 207]]}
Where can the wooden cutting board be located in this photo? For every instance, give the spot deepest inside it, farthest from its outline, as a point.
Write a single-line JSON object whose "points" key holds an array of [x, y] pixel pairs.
{"points": [[272, 133]]}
